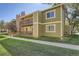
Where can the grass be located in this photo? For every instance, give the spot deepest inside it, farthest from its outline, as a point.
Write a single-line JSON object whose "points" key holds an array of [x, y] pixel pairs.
{"points": [[3, 33], [26, 37], [71, 39], [2, 36], [23, 48], [3, 51]]}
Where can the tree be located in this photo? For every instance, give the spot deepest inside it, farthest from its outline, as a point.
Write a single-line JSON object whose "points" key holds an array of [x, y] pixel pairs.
{"points": [[72, 15], [71, 12], [11, 26], [2, 23]]}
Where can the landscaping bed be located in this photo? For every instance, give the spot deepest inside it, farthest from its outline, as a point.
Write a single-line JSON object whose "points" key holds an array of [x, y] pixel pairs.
{"points": [[24, 48], [71, 39]]}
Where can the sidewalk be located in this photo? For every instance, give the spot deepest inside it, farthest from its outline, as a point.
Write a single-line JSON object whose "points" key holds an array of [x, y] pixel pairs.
{"points": [[62, 45], [3, 38]]}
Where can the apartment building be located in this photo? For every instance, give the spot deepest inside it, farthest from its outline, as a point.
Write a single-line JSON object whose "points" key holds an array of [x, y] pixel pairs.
{"points": [[49, 22]]}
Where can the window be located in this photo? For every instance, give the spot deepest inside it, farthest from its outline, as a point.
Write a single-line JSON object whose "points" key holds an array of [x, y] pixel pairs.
{"points": [[50, 28], [50, 14]]}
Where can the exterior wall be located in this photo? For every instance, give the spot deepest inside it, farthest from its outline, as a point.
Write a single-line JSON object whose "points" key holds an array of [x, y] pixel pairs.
{"points": [[35, 24], [18, 23], [40, 22], [58, 14], [55, 34], [62, 21], [22, 24], [38, 26], [56, 21], [29, 29]]}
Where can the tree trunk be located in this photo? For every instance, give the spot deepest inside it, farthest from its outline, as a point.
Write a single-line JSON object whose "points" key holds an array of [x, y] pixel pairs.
{"points": [[72, 29]]}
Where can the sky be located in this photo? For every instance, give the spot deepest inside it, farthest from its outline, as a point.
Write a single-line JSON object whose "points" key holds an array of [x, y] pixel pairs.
{"points": [[8, 11]]}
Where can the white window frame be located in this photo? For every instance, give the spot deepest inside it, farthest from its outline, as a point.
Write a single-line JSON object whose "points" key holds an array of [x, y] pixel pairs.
{"points": [[50, 25], [49, 12]]}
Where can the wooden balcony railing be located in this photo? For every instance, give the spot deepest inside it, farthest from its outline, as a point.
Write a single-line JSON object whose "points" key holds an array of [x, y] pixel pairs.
{"points": [[26, 22]]}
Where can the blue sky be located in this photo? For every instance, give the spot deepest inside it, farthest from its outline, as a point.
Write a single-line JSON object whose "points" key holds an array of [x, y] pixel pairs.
{"points": [[8, 11]]}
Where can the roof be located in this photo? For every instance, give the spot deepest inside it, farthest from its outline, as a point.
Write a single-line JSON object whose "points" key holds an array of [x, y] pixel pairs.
{"points": [[52, 7], [42, 10], [26, 15]]}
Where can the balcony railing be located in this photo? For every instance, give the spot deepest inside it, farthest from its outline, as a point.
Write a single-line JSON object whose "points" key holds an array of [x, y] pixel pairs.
{"points": [[26, 22]]}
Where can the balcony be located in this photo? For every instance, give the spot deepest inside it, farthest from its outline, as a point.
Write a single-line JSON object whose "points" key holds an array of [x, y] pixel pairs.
{"points": [[26, 22]]}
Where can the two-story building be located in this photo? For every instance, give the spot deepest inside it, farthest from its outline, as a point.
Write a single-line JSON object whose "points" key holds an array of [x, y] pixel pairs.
{"points": [[48, 22]]}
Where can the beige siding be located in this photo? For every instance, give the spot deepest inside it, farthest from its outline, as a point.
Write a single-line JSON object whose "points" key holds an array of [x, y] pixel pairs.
{"points": [[58, 15], [35, 24], [58, 25], [54, 34], [40, 21]]}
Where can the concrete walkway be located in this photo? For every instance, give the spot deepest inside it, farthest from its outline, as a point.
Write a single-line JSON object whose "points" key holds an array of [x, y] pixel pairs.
{"points": [[3, 38], [62, 45]]}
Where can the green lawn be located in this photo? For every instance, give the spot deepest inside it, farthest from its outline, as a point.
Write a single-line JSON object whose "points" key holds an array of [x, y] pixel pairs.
{"points": [[73, 39], [2, 36], [3, 33], [23, 48], [3, 51]]}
